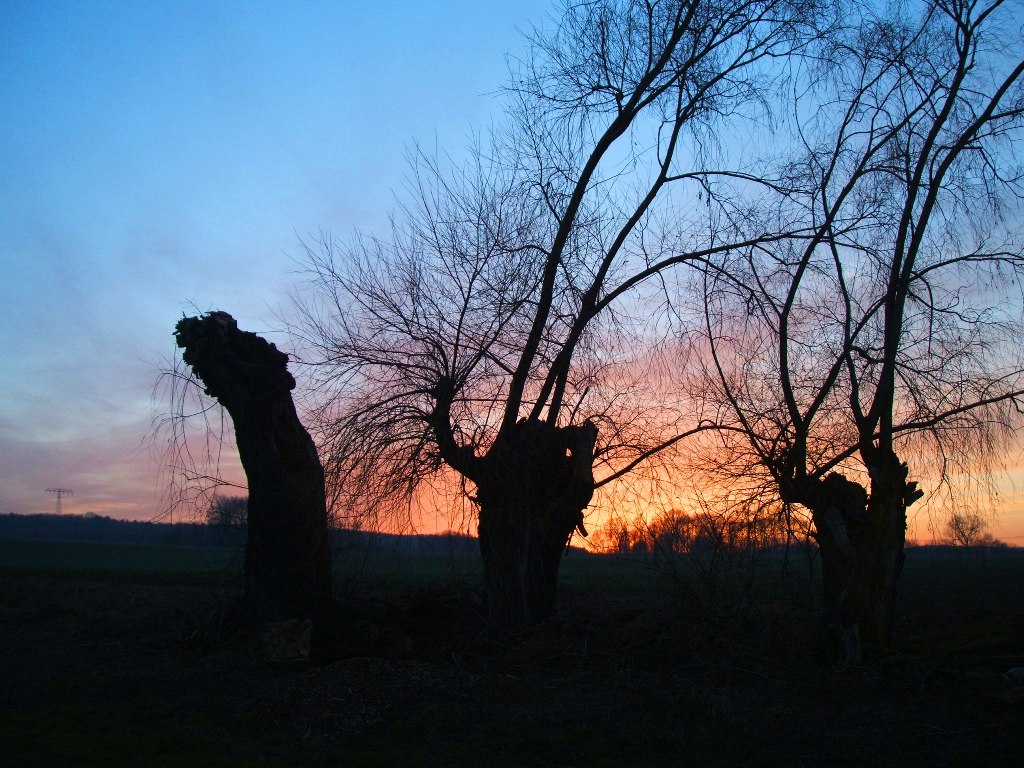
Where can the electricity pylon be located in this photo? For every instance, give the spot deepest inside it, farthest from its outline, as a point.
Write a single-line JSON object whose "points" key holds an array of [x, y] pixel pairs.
{"points": [[61, 493]]}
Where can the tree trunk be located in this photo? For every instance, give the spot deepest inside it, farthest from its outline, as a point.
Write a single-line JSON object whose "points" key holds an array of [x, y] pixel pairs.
{"points": [[881, 542], [532, 488], [861, 542], [837, 507], [287, 557]]}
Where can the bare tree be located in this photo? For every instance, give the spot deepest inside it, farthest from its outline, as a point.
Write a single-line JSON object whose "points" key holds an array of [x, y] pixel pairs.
{"points": [[966, 529], [503, 332], [893, 329], [228, 511]]}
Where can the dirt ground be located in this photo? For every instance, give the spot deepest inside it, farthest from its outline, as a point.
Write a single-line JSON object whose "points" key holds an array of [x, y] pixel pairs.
{"points": [[110, 671]]}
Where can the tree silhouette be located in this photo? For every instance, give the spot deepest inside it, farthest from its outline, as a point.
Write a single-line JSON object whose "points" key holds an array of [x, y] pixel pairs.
{"points": [[967, 529], [503, 330], [892, 326], [228, 511], [287, 559]]}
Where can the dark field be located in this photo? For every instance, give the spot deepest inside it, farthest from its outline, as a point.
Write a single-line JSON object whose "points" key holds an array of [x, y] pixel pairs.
{"points": [[138, 655]]}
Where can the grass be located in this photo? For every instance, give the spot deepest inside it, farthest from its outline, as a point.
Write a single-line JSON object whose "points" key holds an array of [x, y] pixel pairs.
{"points": [[385, 569], [112, 735], [931, 579], [969, 580], [130, 560], [97, 671]]}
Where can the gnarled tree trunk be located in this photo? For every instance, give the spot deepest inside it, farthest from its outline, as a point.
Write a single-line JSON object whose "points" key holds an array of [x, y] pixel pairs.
{"points": [[881, 546], [532, 488], [287, 557], [861, 542], [838, 508]]}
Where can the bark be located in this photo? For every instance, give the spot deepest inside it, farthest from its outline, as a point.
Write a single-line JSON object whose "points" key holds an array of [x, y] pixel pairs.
{"points": [[287, 557], [532, 488], [881, 546], [861, 541], [838, 507]]}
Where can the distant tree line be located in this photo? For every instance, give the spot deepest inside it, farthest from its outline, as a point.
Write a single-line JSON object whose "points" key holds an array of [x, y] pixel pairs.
{"points": [[102, 529], [675, 532]]}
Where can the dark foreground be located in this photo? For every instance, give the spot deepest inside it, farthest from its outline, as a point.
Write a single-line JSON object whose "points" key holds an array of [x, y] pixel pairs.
{"points": [[112, 669]]}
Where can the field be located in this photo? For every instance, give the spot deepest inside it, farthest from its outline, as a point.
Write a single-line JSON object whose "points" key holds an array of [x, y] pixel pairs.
{"points": [[137, 655]]}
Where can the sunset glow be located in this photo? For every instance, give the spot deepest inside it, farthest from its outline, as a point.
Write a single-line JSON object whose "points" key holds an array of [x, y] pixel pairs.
{"points": [[161, 161]]}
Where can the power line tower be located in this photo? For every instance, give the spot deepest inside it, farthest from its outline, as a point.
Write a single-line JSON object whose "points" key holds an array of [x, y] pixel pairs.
{"points": [[60, 494]]}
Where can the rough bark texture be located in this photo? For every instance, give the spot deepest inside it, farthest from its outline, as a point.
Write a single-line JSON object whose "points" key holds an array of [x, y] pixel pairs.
{"points": [[881, 551], [287, 558], [532, 488], [861, 540], [838, 508]]}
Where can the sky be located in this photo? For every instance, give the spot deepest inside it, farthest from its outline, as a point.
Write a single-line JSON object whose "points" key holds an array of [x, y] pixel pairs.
{"points": [[166, 158]]}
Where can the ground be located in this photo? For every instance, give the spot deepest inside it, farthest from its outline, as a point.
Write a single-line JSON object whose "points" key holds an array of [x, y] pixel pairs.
{"points": [[145, 669]]}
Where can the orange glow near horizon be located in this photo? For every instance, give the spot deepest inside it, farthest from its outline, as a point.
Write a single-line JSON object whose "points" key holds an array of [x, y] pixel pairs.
{"points": [[442, 507], [457, 516], [1008, 524]]}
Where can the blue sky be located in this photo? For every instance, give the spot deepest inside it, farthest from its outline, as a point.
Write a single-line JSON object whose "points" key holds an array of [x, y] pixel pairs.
{"points": [[159, 158]]}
